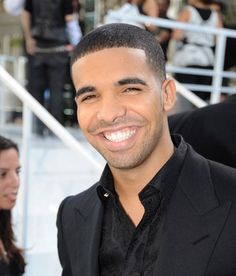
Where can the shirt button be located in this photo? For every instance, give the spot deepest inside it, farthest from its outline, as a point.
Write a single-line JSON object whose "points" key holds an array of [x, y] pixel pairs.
{"points": [[106, 195]]}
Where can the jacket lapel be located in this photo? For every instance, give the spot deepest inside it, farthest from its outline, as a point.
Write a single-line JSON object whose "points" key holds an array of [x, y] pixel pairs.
{"points": [[193, 222], [88, 216], [192, 225]]}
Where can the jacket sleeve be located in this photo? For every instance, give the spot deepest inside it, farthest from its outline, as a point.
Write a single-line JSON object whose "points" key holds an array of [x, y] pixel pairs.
{"points": [[61, 243]]}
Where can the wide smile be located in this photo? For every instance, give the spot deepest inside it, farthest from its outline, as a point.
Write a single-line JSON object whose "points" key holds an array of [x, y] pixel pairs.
{"points": [[120, 135], [120, 139], [11, 196]]}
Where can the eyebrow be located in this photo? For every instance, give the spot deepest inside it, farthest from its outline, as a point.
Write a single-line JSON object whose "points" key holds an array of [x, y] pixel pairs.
{"points": [[6, 169], [131, 81], [125, 81], [83, 90]]}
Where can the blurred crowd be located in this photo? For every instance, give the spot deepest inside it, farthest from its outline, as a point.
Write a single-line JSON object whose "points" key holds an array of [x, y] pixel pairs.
{"points": [[186, 49], [52, 30]]}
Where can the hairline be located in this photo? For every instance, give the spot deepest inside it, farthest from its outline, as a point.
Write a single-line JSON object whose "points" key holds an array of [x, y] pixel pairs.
{"points": [[147, 58], [7, 144]]}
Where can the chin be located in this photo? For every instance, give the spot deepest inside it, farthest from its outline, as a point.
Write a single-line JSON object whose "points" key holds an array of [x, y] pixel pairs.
{"points": [[8, 206], [124, 165]]}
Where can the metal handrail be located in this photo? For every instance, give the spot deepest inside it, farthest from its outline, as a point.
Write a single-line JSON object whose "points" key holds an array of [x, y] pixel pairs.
{"points": [[31, 105], [221, 34], [44, 115], [172, 24]]}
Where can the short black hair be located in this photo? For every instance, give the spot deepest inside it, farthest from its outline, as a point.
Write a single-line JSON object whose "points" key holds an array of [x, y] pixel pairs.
{"points": [[123, 35], [6, 144]]}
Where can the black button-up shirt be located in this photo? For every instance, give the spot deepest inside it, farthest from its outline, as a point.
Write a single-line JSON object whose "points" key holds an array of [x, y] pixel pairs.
{"points": [[133, 251]]}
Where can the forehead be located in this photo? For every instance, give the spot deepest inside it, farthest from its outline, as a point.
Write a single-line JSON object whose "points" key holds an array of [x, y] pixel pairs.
{"points": [[110, 61], [114, 51], [9, 157]]}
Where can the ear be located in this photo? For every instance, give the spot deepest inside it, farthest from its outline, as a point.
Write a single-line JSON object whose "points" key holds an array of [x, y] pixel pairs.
{"points": [[168, 94]]}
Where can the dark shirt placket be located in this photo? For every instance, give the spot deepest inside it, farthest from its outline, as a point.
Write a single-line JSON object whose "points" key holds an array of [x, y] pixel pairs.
{"points": [[128, 250]]}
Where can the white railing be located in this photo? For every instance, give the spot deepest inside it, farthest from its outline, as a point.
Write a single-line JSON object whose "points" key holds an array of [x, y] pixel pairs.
{"points": [[31, 105], [190, 96], [8, 102], [221, 34]]}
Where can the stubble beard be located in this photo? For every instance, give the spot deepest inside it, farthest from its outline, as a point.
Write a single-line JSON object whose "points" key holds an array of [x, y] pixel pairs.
{"points": [[131, 160]]}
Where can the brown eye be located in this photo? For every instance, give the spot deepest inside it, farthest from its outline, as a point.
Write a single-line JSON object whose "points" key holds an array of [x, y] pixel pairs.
{"points": [[3, 174], [18, 171], [87, 98], [132, 90]]}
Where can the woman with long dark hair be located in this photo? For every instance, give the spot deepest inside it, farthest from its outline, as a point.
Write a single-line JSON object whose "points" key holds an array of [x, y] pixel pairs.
{"points": [[11, 257]]}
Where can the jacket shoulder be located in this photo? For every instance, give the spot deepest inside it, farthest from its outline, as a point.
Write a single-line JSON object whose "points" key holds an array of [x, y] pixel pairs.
{"points": [[70, 202], [224, 180]]}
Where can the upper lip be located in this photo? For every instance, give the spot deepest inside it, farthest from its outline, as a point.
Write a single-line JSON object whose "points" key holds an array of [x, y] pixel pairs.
{"points": [[10, 193]]}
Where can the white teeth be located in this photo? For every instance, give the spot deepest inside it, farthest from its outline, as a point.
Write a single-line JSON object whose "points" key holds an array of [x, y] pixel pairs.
{"points": [[119, 136]]}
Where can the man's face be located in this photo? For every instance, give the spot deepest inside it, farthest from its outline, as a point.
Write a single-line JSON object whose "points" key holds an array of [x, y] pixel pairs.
{"points": [[120, 107]]}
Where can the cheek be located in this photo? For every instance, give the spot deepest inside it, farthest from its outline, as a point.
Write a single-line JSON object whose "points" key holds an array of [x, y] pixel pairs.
{"points": [[3, 185], [149, 108], [6, 205], [84, 117]]}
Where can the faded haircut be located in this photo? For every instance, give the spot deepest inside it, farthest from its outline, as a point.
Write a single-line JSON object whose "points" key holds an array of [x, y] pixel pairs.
{"points": [[117, 35]]}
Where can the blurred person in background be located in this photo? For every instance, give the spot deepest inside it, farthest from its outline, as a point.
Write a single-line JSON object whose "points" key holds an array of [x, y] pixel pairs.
{"points": [[51, 30], [149, 8], [11, 257], [162, 34], [129, 8], [134, 8], [196, 49]]}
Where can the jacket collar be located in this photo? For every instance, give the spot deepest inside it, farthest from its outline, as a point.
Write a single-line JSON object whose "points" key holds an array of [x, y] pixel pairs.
{"points": [[196, 182], [88, 216], [194, 221]]}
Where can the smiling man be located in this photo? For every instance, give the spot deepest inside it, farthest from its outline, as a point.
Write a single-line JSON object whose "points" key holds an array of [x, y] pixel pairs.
{"points": [[159, 208]]}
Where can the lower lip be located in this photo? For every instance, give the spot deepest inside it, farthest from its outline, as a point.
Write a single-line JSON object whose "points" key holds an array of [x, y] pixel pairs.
{"points": [[12, 197]]}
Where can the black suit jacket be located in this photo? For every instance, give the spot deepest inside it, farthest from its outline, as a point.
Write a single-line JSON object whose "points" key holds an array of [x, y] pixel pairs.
{"points": [[199, 234], [210, 130]]}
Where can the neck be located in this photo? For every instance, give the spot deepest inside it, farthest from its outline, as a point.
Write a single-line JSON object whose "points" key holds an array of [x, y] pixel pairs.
{"points": [[130, 182]]}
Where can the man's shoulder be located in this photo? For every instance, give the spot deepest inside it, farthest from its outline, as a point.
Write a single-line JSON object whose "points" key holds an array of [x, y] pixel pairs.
{"points": [[79, 199], [218, 169], [222, 110], [207, 173], [224, 179]]}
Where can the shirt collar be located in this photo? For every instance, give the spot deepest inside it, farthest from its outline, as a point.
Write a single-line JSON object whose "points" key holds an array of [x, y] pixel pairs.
{"points": [[106, 187]]}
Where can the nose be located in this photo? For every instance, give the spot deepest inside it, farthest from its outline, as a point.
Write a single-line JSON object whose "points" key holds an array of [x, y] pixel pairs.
{"points": [[111, 108]]}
